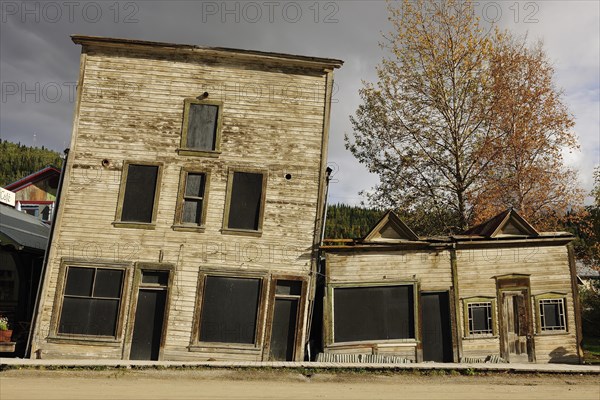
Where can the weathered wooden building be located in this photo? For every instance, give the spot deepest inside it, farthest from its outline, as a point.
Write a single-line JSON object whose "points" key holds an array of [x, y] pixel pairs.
{"points": [[191, 206], [36, 193], [500, 291]]}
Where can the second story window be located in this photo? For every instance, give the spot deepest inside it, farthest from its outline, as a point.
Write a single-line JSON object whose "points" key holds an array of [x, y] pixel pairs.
{"points": [[245, 201], [138, 196], [191, 201], [201, 128]]}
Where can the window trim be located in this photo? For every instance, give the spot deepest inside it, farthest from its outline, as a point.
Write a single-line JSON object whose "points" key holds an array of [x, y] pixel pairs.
{"points": [[329, 326], [55, 336], [136, 285], [178, 224], [538, 320], [118, 223], [197, 345], [248, 232], [183, 150], [494, 314]]}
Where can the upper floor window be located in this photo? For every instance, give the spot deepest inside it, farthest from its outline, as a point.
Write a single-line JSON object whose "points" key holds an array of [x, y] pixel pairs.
{"points": [[244, 207], [192, 201], [201, 130], [138, 196]]}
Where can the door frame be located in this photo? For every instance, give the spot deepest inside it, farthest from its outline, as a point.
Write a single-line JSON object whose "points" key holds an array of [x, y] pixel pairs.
{"points": [[451, 321], [514, 283], [137, 283], [300, 316]]}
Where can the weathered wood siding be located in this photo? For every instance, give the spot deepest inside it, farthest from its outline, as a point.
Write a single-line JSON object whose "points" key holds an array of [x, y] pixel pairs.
{"points": [[430, 269], [548, 267], [131, 109]]}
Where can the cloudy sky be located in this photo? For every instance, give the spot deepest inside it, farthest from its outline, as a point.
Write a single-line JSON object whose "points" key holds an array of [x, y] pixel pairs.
{"points": [[39, 63]]}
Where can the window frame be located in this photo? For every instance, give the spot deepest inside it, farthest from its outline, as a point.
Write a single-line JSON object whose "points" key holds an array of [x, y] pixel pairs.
{"points": [[118, 223], [329, 337], [55, 336], [187, 151], [248, 232], [494, 317], [197, 345], [178, 224], [538, 302]]}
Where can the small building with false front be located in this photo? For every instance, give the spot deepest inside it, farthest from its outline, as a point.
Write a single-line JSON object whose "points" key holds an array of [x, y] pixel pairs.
{"points": [[501, 291], [36, 193]]}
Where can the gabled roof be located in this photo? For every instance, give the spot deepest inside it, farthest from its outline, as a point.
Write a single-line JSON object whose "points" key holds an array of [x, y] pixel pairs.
{"points": [[37, 176], [507, 223], [390, 228], [20, 230]]}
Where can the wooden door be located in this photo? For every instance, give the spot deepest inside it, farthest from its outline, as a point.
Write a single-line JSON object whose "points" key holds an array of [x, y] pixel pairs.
{"points": [[516, 329], [436, 330], [148, 327]]}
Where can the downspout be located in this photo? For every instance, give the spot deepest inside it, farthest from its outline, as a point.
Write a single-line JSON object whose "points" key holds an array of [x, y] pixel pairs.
{"points": [[319, 271], [46, 254], [456, 297]]}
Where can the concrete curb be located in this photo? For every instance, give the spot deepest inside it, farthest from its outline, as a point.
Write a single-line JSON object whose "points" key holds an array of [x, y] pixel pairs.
{"points": [[15, 363]]}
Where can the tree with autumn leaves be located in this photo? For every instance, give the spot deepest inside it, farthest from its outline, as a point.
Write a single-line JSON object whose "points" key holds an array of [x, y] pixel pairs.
{"points": [[464, 122]]}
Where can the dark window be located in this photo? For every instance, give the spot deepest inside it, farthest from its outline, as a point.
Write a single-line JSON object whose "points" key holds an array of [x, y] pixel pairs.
{"points": [[229, 310], [193, 199], [288, 288], [140, 190], [552, 315], [245, 201], [373, 313], [480, 318], [91, 301], [202, 127], [155, 278]]}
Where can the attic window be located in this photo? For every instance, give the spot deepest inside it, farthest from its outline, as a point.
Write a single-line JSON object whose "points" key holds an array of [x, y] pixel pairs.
{"points": [[201, 127]]}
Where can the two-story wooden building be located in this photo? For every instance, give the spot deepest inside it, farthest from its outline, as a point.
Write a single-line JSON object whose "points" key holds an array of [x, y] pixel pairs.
{"points": [[191, 206], [501, 291]]}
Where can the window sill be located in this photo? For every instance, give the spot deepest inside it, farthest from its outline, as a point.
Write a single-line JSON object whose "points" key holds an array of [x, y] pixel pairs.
{"points": [[243, 232], [188, 228], [372, 343], [475, 337], [85, 340], [198, 153], [210, 346], [551, 333], [134, 225]]}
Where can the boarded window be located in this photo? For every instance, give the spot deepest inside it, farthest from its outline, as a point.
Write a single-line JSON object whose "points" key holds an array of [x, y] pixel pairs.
{"points": [[480, 318], [245, 204], [373, 313], [91, 301], [230, 310], [140, 190], [552, 315], [202, 127], [193, 199]]}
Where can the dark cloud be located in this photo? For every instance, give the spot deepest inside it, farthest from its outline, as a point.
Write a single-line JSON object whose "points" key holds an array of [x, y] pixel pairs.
{"points": [[35, 48]]}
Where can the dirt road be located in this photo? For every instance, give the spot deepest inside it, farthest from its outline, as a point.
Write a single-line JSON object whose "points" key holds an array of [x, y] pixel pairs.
{"points": [[227, 384]]}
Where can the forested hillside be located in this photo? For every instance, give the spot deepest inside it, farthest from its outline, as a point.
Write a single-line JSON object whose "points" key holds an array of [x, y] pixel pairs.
{"points": [[349, 222], [18, 160]]}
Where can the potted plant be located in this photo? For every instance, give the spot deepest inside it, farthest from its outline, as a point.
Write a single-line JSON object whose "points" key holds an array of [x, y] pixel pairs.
{"points": [[5, 332]]}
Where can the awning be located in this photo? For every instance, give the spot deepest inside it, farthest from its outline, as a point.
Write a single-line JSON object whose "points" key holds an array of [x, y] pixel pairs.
{"points": [[21, 230]]}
